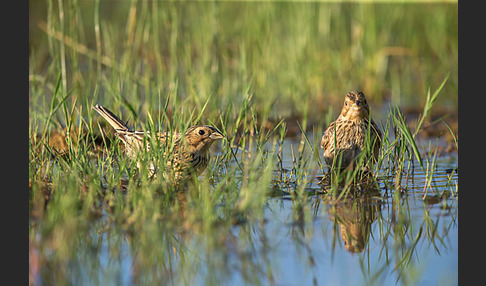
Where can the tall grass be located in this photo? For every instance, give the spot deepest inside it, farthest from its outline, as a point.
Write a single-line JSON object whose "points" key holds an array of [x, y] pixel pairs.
{"points": [[155, 51]]}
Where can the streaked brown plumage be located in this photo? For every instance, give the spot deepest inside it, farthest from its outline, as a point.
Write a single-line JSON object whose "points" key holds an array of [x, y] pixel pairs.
{"points": [[347, 134], [190, 152]]}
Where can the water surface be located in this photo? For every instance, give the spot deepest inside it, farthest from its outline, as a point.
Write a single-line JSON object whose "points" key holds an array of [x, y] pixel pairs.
{"points": [[383, 237]]}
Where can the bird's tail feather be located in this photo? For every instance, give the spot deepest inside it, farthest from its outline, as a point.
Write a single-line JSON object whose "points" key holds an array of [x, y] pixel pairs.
{"points": [[114, 121]]}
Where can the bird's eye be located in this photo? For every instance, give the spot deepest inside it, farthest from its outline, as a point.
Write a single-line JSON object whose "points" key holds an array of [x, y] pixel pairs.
{"points": [[201, 132], [358, 103], [346, 103]]}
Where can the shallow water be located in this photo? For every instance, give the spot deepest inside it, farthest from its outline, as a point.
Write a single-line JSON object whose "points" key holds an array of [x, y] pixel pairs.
{"points": [[380, 239]]}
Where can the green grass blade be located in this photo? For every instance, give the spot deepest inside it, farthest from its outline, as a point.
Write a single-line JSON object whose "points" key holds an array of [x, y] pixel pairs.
{"points": [[429, 102], [400, 123]]}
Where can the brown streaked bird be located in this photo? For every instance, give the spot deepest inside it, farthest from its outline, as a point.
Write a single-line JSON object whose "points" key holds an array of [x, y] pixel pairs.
{"points": [[347, 134], [191, 151]]}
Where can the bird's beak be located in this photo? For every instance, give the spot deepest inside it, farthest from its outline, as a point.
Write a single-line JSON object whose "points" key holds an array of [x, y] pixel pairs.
{"points": [[216, 136]]}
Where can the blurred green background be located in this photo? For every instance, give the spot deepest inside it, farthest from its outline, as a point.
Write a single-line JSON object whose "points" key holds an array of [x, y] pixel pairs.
{"points": [[295, 59]]}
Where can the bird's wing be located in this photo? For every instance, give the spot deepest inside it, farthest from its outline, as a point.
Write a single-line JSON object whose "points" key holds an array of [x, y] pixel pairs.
{"points": [[328, 135]]}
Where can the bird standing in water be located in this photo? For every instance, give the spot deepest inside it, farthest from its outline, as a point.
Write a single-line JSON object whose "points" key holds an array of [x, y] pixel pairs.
{"points": [[190, 152], [344, 139]]}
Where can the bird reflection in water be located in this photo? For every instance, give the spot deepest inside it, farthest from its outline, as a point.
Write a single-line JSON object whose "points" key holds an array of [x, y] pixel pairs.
{"points": [[355, 216]]}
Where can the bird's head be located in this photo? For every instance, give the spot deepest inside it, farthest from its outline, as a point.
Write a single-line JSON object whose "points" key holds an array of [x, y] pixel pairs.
{"points": [[199, 138], [355, 106]]}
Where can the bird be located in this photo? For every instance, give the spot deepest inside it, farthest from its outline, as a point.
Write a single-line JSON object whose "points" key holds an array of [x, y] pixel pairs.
{"points": [[190, 150], [345, 138]]}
